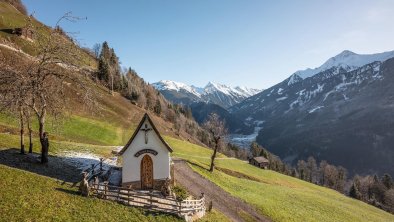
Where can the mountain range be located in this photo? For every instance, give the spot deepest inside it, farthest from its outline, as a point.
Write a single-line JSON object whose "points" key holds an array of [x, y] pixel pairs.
{"points": [[213, 97], [341, 111], [219, 94]]}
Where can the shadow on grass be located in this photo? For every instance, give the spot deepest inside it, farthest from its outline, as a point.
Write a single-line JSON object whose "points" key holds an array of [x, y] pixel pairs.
{"points": [[60, 168], [73, 192], [197, 165], [9, 31], [157, 213], [238, 174]]}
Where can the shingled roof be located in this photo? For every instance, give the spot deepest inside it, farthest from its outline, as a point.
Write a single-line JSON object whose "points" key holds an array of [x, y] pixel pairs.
{"points": [[261, 159]]}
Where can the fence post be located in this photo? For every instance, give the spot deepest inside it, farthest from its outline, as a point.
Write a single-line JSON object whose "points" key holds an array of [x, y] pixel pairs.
{"points": [[101, 164], [96, 181], [172, 205], [128, 196], [117, 199], [150, 199], [105, 189], [202, 202], [180, 207]]}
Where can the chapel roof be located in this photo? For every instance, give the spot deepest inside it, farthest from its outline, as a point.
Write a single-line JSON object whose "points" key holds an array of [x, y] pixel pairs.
{"points": [[146, 117]]}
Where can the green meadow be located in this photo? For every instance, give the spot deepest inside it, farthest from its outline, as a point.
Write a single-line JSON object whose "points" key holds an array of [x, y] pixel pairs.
{"points": [[280, 197], [27, 196]]}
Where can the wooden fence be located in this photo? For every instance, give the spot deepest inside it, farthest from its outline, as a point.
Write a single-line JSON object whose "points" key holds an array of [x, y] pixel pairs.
{"points": [[151, 200]]}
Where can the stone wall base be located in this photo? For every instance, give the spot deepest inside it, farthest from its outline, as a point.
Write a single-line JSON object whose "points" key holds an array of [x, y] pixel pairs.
{"points": [[157, 184]]}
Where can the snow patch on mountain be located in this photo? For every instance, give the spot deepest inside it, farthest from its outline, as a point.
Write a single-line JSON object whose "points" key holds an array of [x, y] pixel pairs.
{"points": [[281, 98], [315, 109]]}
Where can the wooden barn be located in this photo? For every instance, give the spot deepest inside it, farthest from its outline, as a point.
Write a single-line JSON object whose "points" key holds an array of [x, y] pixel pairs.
{"points": [[146, 160], [259, 161]]}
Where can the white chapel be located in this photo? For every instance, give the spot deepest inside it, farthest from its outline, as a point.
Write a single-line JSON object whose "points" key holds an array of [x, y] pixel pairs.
{"points": [[146, 160]]}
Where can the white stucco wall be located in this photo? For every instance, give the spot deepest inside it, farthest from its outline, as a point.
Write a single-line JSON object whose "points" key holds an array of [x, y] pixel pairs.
{"points": [[131, 164]]}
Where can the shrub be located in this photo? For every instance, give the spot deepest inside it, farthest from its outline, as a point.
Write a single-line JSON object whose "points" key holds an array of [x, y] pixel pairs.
{"points": [[180, 193]]}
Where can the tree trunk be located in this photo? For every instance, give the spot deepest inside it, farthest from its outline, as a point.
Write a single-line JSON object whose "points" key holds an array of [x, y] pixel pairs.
{"points": [[22, 132], [30, 136], [214, 156], [43, 140]]}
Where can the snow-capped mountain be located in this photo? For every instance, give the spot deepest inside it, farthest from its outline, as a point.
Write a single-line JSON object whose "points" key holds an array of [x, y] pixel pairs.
{"points": [[343, 112], [176, 86], [215, 93], [346, 60]]}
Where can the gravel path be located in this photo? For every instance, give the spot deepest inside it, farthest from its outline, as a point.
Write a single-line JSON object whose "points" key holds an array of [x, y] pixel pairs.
{"points": [[222, 201]]}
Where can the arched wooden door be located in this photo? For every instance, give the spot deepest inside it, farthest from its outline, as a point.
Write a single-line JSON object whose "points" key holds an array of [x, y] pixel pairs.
{"points": [[146, 172]]}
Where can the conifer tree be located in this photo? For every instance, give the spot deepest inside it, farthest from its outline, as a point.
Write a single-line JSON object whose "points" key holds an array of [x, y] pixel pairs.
{"points": [[354, 191], [387, 181], [255, 149], [264, 153], [157, 107]]}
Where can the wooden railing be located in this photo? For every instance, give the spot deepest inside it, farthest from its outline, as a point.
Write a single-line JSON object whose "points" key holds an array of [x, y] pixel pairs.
{"points": [[149, 200]]}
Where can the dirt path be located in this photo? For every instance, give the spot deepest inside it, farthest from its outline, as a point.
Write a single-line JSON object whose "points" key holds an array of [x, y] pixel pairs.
{"points": [[222, 201]]}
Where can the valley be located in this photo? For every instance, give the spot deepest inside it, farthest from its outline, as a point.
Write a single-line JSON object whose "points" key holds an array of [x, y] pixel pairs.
{"points": [[330, 101], [244, 141]]}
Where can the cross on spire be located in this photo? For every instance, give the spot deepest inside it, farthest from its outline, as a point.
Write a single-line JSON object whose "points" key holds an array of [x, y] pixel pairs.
{"points": [[146, 130]]}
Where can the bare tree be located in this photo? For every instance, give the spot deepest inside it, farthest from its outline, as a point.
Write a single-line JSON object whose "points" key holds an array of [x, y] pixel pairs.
{"points": [[322, 172], [27, 114], [48, 75], [216, 129], [389, 200], [341, 179], [312, 169], [302, 169], [96, 50], [14, 91], [22, 129]]}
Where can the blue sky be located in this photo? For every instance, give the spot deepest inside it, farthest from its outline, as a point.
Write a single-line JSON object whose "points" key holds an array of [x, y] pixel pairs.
{"points": [[250, 43]]}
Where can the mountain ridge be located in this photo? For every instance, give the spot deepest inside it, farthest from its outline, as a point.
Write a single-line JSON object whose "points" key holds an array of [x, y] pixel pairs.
{"points": [[219, 94], [347, 60]]}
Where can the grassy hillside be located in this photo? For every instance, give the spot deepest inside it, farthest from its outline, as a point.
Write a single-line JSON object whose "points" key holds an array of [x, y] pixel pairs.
{"points": [[278, 196], [110, 123], [16, 195], [114, 111], [11, 18], [26, 196]]}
